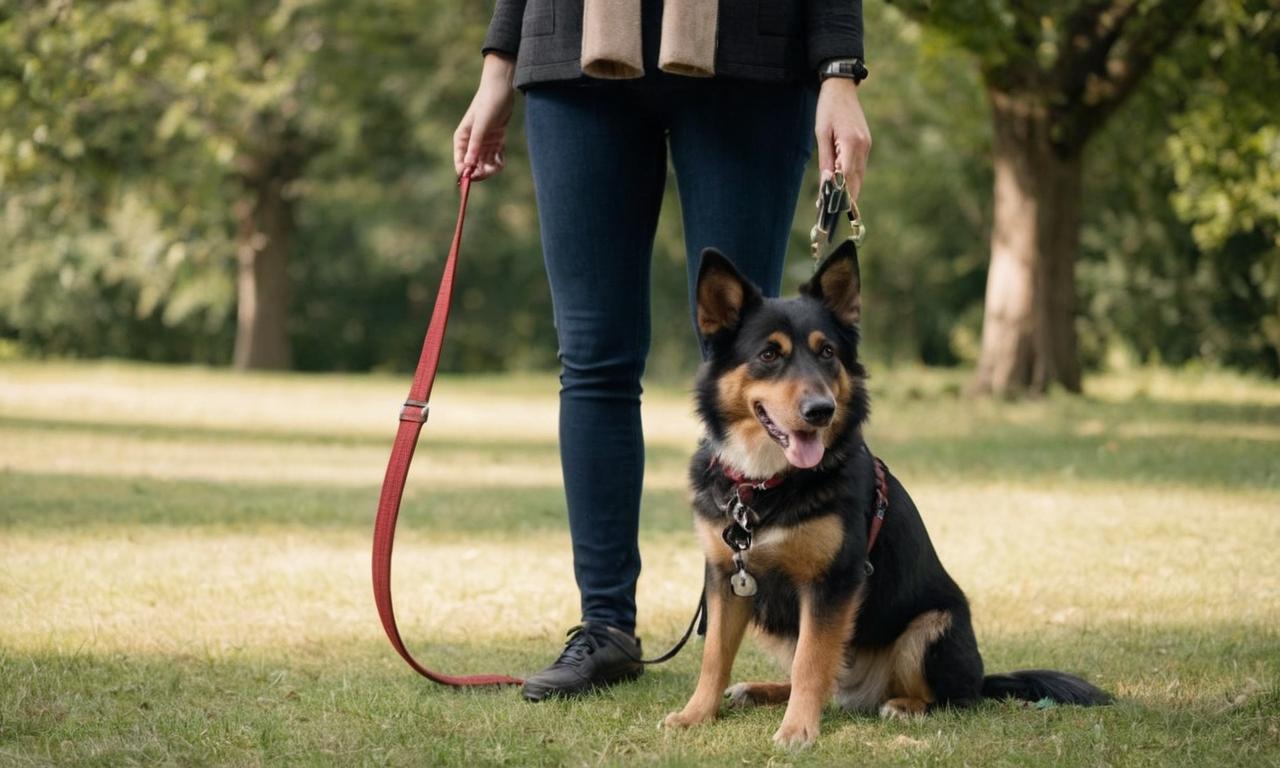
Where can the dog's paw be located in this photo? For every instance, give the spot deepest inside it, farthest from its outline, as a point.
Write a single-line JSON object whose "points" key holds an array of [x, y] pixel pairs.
{"points": [[685, 719], [739, 696], [903, 709], [796, 735]]}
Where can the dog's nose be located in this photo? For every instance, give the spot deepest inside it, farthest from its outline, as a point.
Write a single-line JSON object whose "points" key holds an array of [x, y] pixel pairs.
{"points": [[817, 411]]}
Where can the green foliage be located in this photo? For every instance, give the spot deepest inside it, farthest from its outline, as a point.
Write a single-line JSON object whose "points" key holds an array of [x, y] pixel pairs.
{"points": [[1225, 148], [1182, 243], [927, 196], [133, 128], [130, 131], [1197, 146]]}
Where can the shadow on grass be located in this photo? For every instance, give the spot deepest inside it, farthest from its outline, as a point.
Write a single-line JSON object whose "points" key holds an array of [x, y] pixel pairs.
{"points": [[429, 444], [1186, 697], [1027, 455], [87, 502], [1022, 456]]}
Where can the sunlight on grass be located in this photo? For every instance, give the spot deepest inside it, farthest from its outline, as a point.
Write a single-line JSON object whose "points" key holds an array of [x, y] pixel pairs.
{"points": [[511, 409], [184, 570]]}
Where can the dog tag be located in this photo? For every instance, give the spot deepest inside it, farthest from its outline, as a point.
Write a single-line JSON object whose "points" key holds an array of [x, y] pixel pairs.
{"points": [[744, 584]]}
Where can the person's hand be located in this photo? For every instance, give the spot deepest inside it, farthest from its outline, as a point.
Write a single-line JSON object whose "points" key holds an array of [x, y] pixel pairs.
{"points": [[482, 134], [844, 140]]}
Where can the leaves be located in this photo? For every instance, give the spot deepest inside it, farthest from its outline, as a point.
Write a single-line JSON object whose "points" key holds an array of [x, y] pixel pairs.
{"points": [[130, 129]]}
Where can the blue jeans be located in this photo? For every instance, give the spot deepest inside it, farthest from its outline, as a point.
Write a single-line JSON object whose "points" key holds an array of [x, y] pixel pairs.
{"points": [[599, 158]]}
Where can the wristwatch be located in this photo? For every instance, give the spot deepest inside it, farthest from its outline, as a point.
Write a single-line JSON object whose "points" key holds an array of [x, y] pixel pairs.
{"points": [[850, 69]]}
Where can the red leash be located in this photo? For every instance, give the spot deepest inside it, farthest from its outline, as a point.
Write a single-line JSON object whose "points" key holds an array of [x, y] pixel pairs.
{"points": [[412, 416]]}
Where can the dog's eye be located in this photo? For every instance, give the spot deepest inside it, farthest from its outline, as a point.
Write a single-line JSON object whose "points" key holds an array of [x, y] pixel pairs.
{"points": [[827, 352], [769, 355]]}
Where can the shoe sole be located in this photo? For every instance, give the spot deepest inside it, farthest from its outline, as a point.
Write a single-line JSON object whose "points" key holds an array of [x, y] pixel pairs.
{"points": [[546, 692]]}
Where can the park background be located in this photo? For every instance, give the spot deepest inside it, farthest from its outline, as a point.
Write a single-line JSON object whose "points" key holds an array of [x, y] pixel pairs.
{"points": [[221, 226]]}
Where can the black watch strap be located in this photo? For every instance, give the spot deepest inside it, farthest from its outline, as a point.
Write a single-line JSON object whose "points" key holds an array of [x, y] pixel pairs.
{"points": [[850, 69]]}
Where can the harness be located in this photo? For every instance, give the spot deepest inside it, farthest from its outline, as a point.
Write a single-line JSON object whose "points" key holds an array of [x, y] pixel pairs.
{"points": [[744, 520]]}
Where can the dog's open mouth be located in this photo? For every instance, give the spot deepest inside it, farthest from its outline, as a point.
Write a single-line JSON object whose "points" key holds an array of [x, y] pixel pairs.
{"points": [[803, 448]]}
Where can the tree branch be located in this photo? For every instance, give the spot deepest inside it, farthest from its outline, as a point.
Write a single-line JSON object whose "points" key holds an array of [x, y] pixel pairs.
{"points": [[1089, 34], [1128, 46]]}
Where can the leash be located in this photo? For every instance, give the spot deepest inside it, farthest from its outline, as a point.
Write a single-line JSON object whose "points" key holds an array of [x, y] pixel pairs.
{"points": [[697, 622], [413, 416], [833, 201]]}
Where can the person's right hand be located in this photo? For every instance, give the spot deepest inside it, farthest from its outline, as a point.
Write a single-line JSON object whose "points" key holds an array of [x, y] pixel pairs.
{"points": [[482, 134]]}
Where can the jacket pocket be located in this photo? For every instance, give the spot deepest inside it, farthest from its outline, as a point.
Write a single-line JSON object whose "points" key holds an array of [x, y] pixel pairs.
{"points": [[539, 18]]}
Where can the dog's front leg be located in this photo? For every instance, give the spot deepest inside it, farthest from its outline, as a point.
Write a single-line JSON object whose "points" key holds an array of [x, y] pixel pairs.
{"points": [[727, 619], [825, 630]]}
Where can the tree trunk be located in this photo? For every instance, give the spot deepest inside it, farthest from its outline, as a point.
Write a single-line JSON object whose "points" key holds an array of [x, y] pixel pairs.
{"points": [[1028, 328], [264, 235]]}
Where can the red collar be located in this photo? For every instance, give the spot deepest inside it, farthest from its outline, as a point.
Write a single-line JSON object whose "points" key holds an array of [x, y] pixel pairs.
{"points": [[746, 484]]}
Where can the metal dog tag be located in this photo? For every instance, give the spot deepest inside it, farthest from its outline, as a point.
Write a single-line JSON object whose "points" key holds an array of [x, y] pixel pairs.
{"points": [[744, 584]]}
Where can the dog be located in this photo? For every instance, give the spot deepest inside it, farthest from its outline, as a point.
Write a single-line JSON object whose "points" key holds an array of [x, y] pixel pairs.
{"points": [[786, 498]]}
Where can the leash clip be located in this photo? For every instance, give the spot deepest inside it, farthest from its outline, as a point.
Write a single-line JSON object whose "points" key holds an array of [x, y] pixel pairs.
{"points": [[833, 200], [738, 534]]}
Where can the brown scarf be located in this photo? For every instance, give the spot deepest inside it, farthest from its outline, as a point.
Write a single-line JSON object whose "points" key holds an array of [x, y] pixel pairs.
{"points": [[611, 44]]}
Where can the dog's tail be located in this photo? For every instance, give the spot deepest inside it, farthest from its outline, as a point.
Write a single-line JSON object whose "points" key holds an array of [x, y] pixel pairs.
{"points": [[1039, 684]]}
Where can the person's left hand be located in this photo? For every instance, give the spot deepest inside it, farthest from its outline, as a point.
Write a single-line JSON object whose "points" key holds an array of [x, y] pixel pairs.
{"points": [[844, 140]]}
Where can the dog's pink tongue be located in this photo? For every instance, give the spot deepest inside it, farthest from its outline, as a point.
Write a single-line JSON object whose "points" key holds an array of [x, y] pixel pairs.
{"points": [[804, 449]]}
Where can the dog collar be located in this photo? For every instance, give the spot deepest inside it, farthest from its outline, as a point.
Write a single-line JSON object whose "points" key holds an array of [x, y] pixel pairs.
{"points": [[743, 520], [738, 534], [745, 486]]}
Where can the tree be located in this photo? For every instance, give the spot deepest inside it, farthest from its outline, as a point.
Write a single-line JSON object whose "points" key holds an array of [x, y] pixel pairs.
{"points": [[1054, 73], [136, 136], [212, 108]]}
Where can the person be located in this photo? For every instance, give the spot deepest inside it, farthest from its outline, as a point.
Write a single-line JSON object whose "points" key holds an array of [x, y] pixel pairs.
{"points": [[603, 109]]}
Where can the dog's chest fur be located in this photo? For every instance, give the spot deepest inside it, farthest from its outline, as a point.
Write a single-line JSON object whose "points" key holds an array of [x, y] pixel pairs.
{"points": [[809, 533]]}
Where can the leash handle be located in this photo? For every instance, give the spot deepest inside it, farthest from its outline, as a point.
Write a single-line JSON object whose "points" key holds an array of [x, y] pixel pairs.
{"points": [[833, 200], [413, 415]]}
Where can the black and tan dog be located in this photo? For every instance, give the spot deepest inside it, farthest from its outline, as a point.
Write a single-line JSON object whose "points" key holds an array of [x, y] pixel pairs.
{"points": [[785, 482]]}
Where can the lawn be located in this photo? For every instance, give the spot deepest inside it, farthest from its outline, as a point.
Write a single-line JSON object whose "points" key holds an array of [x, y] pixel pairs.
{"points": [[184, 572]]}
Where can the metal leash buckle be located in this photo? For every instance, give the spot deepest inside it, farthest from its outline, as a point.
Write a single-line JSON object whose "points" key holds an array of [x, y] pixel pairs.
{"points": [[833, 200], [744, 516], [736, 537], [415, 410]]}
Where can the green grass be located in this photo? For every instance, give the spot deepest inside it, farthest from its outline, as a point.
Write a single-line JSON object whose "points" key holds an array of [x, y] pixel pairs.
{"points": [[184, 572]]}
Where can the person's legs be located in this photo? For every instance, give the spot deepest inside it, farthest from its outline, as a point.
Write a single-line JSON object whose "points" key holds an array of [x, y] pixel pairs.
{"points": [[740, 150], [599, 167]]}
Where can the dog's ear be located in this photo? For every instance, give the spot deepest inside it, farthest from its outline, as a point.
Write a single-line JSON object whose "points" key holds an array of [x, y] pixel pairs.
{"points": [[722, 294], [838, 284]]}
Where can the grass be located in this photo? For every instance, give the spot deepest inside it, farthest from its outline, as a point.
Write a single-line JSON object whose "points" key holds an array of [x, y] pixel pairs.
{"points": [[184, 572]]}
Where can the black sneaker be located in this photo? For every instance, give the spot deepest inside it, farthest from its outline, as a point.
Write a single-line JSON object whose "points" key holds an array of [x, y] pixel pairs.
{"points": [[595, 656]]}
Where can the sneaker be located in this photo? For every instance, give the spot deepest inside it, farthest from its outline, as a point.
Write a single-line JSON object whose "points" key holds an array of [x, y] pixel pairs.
{"points": [[595, 656]]}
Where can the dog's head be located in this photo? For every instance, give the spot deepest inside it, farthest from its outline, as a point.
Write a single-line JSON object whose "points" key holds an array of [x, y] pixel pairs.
{"points": [[782, 383]]}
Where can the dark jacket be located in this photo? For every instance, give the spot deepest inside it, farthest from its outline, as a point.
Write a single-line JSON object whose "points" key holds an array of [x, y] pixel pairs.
{"points": [[766, 40]]}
